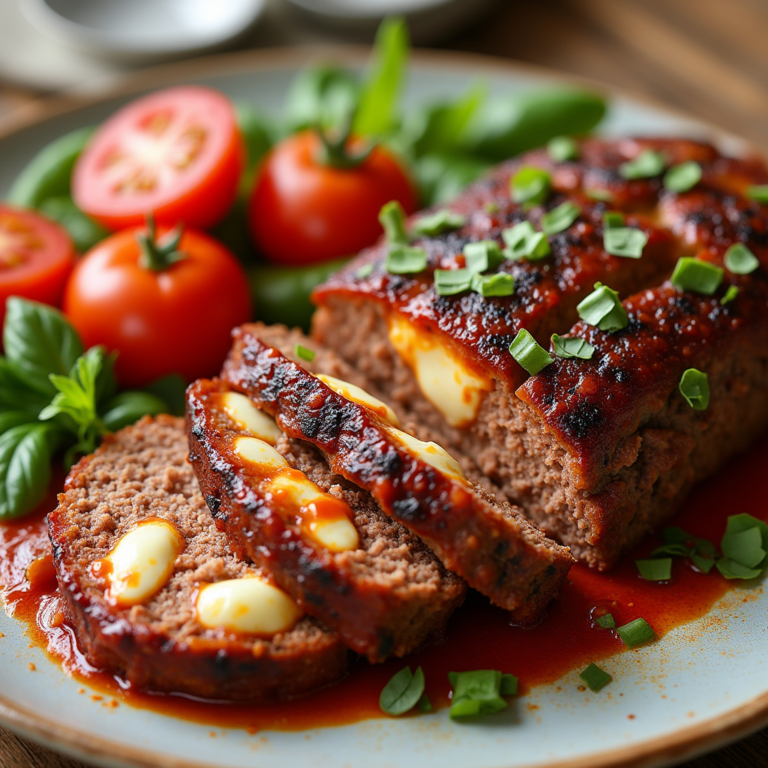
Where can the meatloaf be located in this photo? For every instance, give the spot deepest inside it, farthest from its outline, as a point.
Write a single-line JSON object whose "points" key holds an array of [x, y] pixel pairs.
{"points": [[371, 580], [140, 476], [595, 451]]}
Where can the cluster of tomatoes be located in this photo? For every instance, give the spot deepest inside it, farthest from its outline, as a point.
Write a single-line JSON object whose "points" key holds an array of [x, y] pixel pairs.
{"points": [[160, 290]]}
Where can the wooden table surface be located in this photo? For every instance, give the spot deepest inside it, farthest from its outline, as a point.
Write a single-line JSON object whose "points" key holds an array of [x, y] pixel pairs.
{"points": [[705, 57]]}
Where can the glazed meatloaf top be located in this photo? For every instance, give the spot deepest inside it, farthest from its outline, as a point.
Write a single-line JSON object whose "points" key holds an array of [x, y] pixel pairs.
{"points": [[141, 476]]}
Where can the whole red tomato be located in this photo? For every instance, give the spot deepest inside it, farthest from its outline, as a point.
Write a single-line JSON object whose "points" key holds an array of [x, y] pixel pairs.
{"points": [[177, 154], [305, 210], [166, 305]]}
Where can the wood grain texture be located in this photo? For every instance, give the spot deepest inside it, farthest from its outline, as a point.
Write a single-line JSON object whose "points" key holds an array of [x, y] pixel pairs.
{"points": [[705, 57]]}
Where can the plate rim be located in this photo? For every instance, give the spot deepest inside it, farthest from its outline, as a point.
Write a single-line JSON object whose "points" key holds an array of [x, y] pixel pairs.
{"points": [[685, 743]]}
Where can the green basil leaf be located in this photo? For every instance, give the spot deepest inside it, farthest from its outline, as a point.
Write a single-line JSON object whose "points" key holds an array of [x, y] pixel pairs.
{"points": [[403, 692], [322, 96], [171, 389], [16, 395], [128, 407], [84, 231], [11, 419]]}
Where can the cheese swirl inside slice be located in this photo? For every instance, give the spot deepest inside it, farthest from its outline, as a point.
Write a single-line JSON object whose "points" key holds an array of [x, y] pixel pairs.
{"points": [[358, 395], [247, 416]]}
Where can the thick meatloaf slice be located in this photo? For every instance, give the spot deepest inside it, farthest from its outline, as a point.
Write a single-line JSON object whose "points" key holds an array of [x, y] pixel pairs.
{"points": [[141, 474], [642, 458], [490, 544], [386, 594]]}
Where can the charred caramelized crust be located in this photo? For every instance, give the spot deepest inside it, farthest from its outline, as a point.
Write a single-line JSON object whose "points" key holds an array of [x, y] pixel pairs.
{"points": [[385, 597], [491, 545]]}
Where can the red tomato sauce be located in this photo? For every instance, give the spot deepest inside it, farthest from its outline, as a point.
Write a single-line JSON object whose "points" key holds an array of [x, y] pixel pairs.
{"points": [[479, 635]]}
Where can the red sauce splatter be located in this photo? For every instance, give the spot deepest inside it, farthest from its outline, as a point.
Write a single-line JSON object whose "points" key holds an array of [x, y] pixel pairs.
{"points": [[479, 636]]}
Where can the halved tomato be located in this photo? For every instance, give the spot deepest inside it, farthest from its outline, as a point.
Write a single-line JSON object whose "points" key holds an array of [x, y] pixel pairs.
{"points": [[176, 154], [36, 256]]}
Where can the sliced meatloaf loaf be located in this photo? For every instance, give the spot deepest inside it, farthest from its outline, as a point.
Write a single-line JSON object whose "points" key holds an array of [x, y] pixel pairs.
{"points": [[595, 451], [489, 544], [154, 591], [326, 541]]}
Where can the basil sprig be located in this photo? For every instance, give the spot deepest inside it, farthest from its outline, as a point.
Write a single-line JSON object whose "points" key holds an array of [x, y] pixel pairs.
{"points": [[56, 396]]}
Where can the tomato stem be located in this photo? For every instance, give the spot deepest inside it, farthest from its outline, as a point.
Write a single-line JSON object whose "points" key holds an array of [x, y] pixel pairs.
{"points": [[334, 151], [157, 255]]}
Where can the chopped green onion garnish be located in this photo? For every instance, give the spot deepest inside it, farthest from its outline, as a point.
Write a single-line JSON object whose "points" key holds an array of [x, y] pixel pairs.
{"points": [[681, 178], [740, 260], [695, 275], [449, 282], [613, 219], [560, 218], [636, 632], [603, 195], [477, 693], [524, 242], [606, 621], [759, 193], [694, 387], [528, 353], [392, 218], [746, 541], [671, 550], [404, 260], [730, 294], [562, 148], [424, 705], [595, 677], [603, 309], [572, 347], [624, 241], [439, 222], [482, 256], [648, 163], [403, 692], [531, 186], [500, 284], [680, 543], [365, 271], [508, 685], [304, 354], [659, 569], [730, 569]]}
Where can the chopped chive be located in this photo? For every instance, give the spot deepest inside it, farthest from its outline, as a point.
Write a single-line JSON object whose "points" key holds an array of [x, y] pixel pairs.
{"points": [[404, 260], [524, 242], [476, 693], [704, 563], [449, 282], [740, 260], [603, 309], [746, 541], [636, 633], [528, 353], [403, 692], [303, 353], [694, 387], [482, 256], [695, 275], [647, 164], [560, 218], [730, 294], [659, 569], [624, 241], [392, 218], [595, 678], [606, 621], [758, 193], [365, 271], [424, 705], [671, 550], [508, 685], [682, 177], [572, 347], [730, 569], [563, 148], [602, 195], [613, 219], [500, 284], [439, 222], [531, 186]]}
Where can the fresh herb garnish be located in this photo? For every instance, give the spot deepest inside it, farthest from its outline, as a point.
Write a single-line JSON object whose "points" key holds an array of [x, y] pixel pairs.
{"points": [[560, 218], [572, 347], [740, 260], [531, 186], [682, 177], [480, 692], [695, 275], [647, 164], [730, 294], [401, 258], [595, 678], [745, 548], [624, 241], [563, 148], [365, 271], [500, 284], [303, 353], [524, 242], [759, 193], [636, 633], [606, 621], [680, 543], [613, 219], [694, 387], [601, 195], [482, 256], [655, 569], [392, 218], [403, 692], [424, 705], [437, 223], [449, 282], [529, 353], [603, 309]]}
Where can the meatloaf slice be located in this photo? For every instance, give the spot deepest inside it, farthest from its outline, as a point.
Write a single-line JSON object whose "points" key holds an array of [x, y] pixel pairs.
{"points": [[489, 544], [141, 475], [382, 590]]}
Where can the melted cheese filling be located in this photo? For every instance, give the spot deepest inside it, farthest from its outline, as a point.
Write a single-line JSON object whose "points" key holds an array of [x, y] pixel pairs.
{"points": [[141, 562], [249, 605], [247, 416], [431, 453], [360, 396], [444, 380], [256, 452]]}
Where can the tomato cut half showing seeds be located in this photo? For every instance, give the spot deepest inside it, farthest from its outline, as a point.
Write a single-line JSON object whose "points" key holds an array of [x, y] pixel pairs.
{"points": [[36, 256], [177, 154]]}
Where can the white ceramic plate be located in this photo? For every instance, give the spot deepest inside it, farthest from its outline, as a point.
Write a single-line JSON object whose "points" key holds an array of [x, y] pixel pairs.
{"points": [[702, 685]]}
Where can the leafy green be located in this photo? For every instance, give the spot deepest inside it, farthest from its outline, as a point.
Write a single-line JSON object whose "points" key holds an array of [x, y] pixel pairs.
{"points": [[595, 677], [570, 347], [128, 407], [480, 692], [323, 96], [403, 692], [83, 230]]}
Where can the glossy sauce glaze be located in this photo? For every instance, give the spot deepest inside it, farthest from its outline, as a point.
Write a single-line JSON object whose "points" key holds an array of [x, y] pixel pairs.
{"points": [[479, 636]]}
